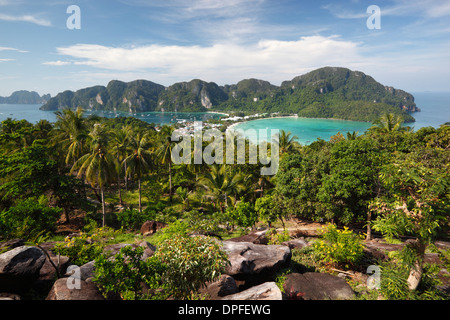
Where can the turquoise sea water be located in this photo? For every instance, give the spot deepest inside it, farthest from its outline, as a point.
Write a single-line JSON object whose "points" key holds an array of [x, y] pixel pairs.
{"points": [[31, 113], [435, 111]]}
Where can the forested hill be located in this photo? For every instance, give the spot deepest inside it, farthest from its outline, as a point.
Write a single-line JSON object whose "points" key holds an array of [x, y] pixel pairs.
{"points": [[328, 92]]}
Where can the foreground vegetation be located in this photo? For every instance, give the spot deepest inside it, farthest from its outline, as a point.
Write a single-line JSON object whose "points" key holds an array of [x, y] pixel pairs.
{"points": [[117, 173]]}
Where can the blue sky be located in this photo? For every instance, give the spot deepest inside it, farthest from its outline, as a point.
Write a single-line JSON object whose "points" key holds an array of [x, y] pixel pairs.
{"points": [[224, 41]]}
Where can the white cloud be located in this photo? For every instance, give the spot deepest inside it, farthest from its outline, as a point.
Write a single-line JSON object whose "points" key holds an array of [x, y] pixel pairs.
{"points": [[26, 18], [56, 63], [273, 60], [12, 49], [422, 8]]}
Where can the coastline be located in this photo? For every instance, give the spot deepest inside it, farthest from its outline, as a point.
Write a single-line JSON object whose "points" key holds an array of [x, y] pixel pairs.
{"points": [[216, 112], [231, 126]]}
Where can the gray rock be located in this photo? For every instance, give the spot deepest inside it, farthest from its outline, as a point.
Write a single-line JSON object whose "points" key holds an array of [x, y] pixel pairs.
{"points": [[9, 296], [256, 237], [317, 286], [11, 244], [84, 272], [74, 289], [248, 258], [265, 291], [226, 285], [19, 268], [296, 243]]}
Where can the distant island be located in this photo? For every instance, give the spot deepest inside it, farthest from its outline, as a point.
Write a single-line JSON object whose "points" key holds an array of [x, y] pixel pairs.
{"points": [[25, 97], [328, 92]]}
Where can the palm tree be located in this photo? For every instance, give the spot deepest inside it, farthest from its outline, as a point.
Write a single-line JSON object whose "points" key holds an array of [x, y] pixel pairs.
{"points": [[286, 142], [98, 165], [222, 184], [389, 122], [72, 133], [352, 135], [119, 143], [164, 152], [139, 161]]}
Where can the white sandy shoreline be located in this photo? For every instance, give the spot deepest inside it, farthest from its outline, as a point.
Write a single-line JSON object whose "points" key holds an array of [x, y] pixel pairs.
{"points": [[216, 112], [247, 120], [292, 116]]}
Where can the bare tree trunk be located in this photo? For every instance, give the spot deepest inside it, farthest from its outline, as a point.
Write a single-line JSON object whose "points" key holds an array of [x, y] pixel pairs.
{"points": [[369, 228], [66, 213], [415, 273]]}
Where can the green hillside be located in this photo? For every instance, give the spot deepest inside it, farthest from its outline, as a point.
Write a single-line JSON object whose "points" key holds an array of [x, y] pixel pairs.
{"points": [[327, 92]]}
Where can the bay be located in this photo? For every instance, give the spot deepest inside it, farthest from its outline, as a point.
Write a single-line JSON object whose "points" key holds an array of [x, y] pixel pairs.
{"points": [[306, 130], [435, 111], [32, 114]]}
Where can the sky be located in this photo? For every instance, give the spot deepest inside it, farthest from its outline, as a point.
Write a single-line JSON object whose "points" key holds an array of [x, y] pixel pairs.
{"points": [[46, 46]]}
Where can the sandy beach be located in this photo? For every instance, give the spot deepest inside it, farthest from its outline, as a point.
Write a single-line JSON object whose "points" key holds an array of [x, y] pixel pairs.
{"points": [[238, 122]]}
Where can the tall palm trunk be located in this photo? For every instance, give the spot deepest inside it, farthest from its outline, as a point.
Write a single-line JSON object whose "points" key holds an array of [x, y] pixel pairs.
{"points": [[170, 181], [126, 178], [103, 206], [118, 181], [140, 198]]}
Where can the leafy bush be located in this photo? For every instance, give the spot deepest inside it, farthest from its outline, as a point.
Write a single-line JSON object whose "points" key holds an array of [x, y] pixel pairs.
{"points": [[243, 214], [127, 273], [201, 222], [339, 247], [277, 238], [190, 263], [131, 219], [85, 247], [80, 250], [29, 218], [174, 229], [393, 281], [264, 209]]}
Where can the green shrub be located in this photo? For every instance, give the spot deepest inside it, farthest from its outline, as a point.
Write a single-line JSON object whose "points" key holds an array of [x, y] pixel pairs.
{"points": [[174, 229], [131, 219], [393, 284], [28, 218], [243, 214], [191, 263], [277, 238], [264, 209], [339, 247], [86, 246], [201, 222], [127, 273]]}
